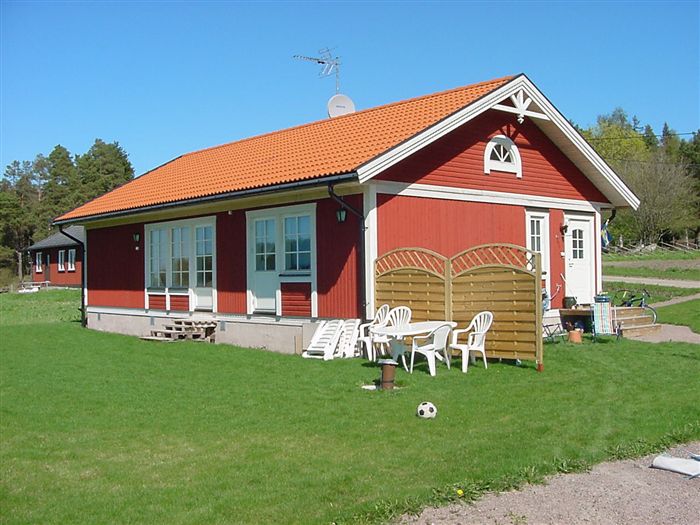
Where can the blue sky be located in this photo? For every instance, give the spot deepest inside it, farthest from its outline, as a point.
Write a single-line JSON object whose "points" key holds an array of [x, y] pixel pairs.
{"points": [[165, 78]]}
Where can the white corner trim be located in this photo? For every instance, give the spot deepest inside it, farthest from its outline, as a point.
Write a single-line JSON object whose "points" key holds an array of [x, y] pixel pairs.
{"points": [[370, 211], [521, 83], [432, 191]]}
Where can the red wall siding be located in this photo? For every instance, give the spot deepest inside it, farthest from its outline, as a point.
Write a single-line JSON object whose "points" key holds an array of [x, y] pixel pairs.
{"points": [[556, 261], [115, 267], [447, 227], [180, 302], [336, 246], [296, 299], [58, 278], [457, 159], [156, 302], [231, 262]]}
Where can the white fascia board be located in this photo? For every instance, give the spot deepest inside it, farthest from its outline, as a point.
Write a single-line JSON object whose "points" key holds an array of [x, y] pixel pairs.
{"points": [[432, 191], [445, 126]]}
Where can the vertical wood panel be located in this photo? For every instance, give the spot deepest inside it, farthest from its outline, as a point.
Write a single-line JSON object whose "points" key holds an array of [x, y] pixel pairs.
{"points": [[156, 302], [296, 299], [116, 269], [179, 302], [231, 262]]}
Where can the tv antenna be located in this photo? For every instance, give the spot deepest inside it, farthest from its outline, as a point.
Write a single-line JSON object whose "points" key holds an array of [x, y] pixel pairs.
{"points": [[328, 63]]}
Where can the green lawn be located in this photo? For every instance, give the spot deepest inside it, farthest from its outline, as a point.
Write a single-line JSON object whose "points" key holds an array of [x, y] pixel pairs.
{"points": [[101, 428], [685, 314], [658, 293], [683, 274]]}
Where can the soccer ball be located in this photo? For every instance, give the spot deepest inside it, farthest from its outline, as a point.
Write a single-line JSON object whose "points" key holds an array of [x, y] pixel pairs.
{"points": [[426, 410]]}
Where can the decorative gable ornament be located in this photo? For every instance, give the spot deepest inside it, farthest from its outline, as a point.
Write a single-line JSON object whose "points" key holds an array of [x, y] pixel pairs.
{"points": [[521, 103]]}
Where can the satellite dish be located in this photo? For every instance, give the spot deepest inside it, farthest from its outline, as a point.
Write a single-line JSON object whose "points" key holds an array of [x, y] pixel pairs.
{"points": [[340, 105]]}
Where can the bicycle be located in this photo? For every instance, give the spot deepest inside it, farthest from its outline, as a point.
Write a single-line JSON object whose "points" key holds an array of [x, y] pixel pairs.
{"points": [[633, 298]]}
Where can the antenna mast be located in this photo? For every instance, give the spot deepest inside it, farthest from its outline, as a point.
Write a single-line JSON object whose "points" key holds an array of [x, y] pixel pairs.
{"points": [[329, 65]]}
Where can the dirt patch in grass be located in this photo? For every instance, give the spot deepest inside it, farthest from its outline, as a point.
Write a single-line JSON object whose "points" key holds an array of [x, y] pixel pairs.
{"points": [[659, 264], [615, 492]]}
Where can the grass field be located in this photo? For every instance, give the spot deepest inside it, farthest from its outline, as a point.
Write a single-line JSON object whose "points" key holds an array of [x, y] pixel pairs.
{"points": [[684, 314], [683, 274], [103, 428], [657, 293], [652, 256]]}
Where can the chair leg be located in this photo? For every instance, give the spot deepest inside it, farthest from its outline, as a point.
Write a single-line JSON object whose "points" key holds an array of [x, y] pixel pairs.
{"points": [[430, 356], [465, 361], [413, 355], [483, 355]]}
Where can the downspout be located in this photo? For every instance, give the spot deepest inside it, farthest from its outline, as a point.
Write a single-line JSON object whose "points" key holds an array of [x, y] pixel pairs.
{"points": [[83, 318], [360, 250]]}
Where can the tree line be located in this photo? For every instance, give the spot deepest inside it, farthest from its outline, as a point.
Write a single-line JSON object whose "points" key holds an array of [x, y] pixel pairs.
{"points": [[662, 169], [34, 192]]}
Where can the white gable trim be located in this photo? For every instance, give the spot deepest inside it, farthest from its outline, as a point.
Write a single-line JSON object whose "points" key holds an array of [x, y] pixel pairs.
{"points": [[377, 165]]}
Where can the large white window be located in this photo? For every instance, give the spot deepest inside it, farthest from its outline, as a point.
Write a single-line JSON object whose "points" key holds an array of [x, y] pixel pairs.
{"points": [[205, 256], [38, 267], [71, 260], [501, 154], [297, 243], [537, 238], [180, 257], [180, 260], [61, 260]]}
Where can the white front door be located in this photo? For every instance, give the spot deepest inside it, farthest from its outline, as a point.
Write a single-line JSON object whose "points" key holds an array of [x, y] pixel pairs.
{"points": [[265, 275], [204, 267], [580, 258]]}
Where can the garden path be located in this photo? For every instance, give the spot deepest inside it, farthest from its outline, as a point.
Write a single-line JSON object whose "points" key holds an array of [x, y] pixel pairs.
{"points": [[651, 280]]}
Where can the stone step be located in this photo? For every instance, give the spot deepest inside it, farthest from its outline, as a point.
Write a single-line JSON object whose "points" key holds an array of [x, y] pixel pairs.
{"points": [[632, 331]]}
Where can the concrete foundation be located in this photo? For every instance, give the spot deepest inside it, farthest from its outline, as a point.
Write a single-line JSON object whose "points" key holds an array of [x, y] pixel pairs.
{"points": [[287, 336]]}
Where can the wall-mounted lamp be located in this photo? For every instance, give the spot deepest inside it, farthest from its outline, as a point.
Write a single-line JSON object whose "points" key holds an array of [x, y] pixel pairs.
{"points": [[341, 214], [564, 228], [137, 237]]}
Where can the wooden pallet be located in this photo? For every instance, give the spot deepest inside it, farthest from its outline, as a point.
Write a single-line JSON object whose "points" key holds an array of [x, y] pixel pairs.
{"points": [[184, 330]]}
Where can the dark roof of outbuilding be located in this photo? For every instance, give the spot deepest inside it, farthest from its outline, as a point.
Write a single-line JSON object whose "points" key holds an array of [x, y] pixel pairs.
{"points": [[58, 239]]}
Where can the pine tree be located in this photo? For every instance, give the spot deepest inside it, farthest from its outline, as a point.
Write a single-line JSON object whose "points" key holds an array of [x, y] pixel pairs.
{"points": [[103, 168]]}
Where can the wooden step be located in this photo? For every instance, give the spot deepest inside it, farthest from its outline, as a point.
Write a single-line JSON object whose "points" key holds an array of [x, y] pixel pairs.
{"points": [[160, 339], [194, 323], [623, 311], [645, 329], [637, 320]]}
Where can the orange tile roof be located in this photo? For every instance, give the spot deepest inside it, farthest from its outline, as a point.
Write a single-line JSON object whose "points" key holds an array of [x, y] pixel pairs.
{"points": [[326, 147]]}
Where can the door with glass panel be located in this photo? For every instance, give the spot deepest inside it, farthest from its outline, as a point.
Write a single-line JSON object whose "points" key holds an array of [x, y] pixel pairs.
{"points": [[265, 275], [580, 258], [203, 285]]}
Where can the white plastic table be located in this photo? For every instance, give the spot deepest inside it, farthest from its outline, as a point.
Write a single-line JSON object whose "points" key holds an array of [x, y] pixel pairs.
{"points": [[397, 333]]}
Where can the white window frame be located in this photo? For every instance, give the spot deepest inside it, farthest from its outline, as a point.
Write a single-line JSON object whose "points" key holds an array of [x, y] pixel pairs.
{"points": [[71, 259], [515, 167], [169, 290], [61, 260], [285, 276], [38, 266], [545, 246]]}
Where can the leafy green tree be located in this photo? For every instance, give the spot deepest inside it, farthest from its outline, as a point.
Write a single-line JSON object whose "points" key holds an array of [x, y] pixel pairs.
{"points": [[103, 168], [650, 138]]}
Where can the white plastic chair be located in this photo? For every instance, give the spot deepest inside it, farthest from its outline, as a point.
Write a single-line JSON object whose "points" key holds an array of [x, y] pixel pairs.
{"points": [[437, 349], [476, 341], [367, 340], [399, 316]]}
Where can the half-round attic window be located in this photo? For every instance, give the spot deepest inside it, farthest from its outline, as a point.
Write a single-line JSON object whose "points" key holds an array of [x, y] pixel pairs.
{"points": [[502, 154]]}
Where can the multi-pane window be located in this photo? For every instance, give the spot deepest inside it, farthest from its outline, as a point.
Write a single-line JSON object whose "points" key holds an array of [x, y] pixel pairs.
{"points": [[265, 245], [297, 243], [158, 263], [180, 257], [501, 153], [204, 253], [577, 243], [38, 267], [71, 260], [536, 235], [61, 260]]}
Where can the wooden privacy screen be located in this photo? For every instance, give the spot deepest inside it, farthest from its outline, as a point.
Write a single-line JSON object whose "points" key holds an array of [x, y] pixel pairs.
{"points": [[502, 278]]}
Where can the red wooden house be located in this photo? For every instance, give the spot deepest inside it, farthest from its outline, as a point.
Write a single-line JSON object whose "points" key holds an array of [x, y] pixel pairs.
{"points": [[58, 259], [251, 233]]}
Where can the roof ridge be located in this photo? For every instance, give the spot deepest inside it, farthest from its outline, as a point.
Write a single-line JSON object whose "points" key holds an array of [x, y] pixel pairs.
{"points": [[334, 119]]}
